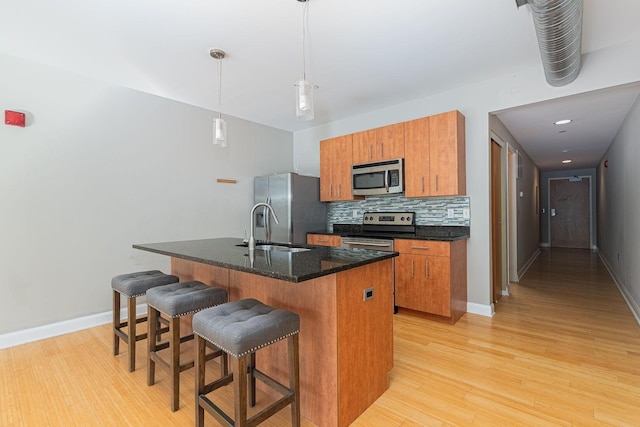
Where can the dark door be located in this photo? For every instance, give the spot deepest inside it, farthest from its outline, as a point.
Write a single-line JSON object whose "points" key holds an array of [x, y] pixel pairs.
{"points": [[496, 220], [569, 215]]}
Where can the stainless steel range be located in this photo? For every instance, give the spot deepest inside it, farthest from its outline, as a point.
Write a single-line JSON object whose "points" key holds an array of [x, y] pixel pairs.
{"points": [[379, 230]]}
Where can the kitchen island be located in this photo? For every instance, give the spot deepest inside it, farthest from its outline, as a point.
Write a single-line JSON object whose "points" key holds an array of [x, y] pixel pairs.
{"points": [[344, 298]]}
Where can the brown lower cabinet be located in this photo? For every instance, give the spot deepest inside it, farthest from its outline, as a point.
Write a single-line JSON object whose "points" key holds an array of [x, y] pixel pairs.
{"points": [[323, 240], [431, 277]]}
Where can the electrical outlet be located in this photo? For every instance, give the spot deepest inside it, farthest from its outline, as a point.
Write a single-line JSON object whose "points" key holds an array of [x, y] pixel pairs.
{"points": [[465, 213], [450, 213]]}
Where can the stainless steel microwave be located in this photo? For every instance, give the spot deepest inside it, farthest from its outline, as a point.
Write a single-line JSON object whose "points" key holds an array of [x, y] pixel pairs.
{"points": [[385, 177]]}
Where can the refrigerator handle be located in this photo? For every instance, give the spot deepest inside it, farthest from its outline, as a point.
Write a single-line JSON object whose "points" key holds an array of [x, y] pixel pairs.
{"points": [[267, 220]]}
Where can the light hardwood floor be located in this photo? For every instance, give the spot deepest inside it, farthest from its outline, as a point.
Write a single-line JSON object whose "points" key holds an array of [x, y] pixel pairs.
{"points": [[563, 349]]}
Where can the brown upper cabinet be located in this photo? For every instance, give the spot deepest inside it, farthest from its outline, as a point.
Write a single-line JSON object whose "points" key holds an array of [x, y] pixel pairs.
{"points": [[435, 156], [433, 149], [379, 144], [335, 169]]}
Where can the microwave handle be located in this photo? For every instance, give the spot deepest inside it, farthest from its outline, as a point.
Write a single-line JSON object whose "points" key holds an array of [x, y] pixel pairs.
{"points": [[387, 180]]}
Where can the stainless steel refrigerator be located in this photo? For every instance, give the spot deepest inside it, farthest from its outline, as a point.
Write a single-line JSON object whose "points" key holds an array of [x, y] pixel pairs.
{"points": [[296, 202]]}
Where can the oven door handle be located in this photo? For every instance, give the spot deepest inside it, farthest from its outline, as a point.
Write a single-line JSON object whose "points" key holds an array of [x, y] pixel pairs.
{"points": [[387, 179], [351, 242]]}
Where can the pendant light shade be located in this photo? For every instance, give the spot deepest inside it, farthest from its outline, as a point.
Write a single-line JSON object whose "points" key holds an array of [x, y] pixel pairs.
{"points": [[219, 125], [304, 100], [220, 132], [304, 88]]}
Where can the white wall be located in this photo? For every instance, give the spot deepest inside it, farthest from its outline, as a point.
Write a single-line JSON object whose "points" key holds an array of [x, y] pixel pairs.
{"points": [[619, 208], [100, 168], [607, 67]]}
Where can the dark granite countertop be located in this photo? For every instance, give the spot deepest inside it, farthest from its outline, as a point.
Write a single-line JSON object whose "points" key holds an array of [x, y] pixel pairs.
{"points": [[423, 232], [290, 266]]}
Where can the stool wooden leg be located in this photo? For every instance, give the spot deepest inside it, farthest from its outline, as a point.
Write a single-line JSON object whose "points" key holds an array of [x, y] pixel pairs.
{"points": [[240, 391], [294, 377], [200, 363], [152, 322], [131, 314], [174, 345], [252, 380], [224, 365], [116, 322]]}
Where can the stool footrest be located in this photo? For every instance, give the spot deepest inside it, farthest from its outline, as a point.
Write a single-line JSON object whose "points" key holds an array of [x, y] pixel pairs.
{"points": [[270, 382], [220, 382], [276, 406], [258, 418], [215, 411]]}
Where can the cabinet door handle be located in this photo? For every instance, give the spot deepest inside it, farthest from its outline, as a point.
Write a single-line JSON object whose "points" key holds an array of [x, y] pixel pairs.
{"points": [[330, 190], [436, 182], [323, 241], [369, 151], [411, 268], [422, 181], [339, 191], [426, 268], [426, 248], [380, 150]]}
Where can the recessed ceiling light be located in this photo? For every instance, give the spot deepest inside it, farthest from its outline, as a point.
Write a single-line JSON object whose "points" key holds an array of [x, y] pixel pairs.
{"points": [[565, 151], [566, 161], [563, 122]]}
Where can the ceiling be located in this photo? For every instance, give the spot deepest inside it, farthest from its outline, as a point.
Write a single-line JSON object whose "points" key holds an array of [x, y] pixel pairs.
{"points": [[595, 118], [363, 55]]}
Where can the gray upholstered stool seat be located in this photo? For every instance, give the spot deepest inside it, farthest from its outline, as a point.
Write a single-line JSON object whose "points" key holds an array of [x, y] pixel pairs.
{"points": [[174, 301], [133, 285], [241, 328]]}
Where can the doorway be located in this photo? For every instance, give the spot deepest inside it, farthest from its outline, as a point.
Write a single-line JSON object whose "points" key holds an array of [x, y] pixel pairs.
{"points": [[496, 221], [570, 213]]}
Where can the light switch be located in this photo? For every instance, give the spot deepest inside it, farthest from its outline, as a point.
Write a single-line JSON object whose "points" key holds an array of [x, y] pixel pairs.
{"points": [[450, 213]]}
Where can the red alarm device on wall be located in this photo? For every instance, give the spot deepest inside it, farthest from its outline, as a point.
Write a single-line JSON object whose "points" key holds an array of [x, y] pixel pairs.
{"points": [[14, 118]]}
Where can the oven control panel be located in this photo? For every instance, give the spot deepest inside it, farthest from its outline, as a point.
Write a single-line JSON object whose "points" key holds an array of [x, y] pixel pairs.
{"points": [[388, 218]]}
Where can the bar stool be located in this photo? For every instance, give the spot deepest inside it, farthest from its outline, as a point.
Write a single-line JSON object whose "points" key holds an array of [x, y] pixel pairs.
{"points": [[133, 285], [174, 301], [240, 329]]}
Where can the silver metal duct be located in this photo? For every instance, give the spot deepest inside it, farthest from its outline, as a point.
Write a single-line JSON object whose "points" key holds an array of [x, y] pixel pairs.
{"points": [[558, 25]]}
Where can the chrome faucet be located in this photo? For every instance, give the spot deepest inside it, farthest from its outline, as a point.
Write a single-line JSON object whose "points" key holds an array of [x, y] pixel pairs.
{"points": [[252, 240]]}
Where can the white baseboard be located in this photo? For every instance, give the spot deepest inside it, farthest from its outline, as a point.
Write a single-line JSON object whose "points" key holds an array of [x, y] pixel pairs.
{"points": [[544, 245], [13, 339], [633, 305], [481, 309], [526, 266]]}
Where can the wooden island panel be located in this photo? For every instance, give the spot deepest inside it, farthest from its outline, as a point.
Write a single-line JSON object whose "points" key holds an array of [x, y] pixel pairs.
{"points": [[365, 338], [346, 344]]}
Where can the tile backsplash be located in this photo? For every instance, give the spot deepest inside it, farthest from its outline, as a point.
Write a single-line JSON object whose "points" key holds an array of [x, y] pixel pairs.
{"points": [[429, 210]]}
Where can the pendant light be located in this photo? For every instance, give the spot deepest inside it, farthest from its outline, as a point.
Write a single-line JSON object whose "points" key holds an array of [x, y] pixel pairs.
{"points": [[219, 125], [304, 88]]}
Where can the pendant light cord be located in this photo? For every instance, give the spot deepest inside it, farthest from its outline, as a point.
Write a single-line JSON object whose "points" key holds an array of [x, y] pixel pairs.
{"points": [[219, 88], [305, 17]]}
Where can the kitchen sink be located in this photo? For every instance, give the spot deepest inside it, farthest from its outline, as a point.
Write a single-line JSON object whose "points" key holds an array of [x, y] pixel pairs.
{"points": [[269, 246], [281, 248]]}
